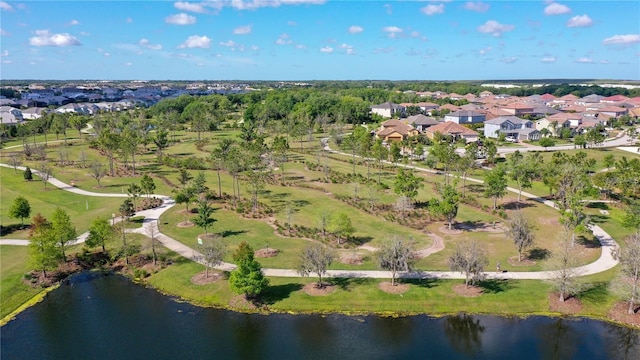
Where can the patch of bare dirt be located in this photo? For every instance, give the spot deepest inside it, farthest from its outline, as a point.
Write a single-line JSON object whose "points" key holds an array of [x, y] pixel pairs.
{"points": [[619, 313], [202, 278], [398, 288], [570, 306], [549, 221], [241, 302], [185, 224], [445, 230], [513, 261], [266, 253], [467, 291], [351, 258], [312, 289]]}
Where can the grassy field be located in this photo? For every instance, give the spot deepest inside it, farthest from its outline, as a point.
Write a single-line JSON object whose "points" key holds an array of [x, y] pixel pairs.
{"points": [[309, 197], [363, 295]]}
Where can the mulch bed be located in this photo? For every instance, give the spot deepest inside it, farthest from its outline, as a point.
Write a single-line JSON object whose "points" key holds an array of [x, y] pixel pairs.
{"points": [[312, 289], [202, 278], [185, 224], [445, 230], [266, 253], [467, 291], [619, 313], [570, 306], [513, 261], [398, 288], [351, 259]]}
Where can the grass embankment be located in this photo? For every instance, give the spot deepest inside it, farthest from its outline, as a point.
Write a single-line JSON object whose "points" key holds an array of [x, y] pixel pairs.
{"points": [[13, 291], [435, 297]]}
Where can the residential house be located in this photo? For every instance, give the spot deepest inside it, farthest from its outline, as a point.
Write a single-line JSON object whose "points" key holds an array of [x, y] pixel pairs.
{"points": [[613, 111], [554, 126], [517, 109], [465, 117], [9, 119], [456, 131], [395, 130], [388, 110], [614, 99], [512, 126], [34, 112], [421, 122], [574, 119], [11, 110]]}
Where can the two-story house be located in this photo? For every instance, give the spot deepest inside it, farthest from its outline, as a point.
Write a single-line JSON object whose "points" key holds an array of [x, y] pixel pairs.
{"points": [[511, 126], [388, 110], [465, 117]]}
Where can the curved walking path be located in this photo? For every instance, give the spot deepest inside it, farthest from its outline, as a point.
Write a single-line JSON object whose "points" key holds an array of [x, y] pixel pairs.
{"points": [[150, 228]]}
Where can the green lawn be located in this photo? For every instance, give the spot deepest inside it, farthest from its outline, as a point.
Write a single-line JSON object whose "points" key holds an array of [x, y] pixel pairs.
{"points": [[13, 291]]}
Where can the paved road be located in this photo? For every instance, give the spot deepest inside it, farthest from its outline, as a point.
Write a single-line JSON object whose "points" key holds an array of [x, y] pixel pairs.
{"points": [[150, 228]]}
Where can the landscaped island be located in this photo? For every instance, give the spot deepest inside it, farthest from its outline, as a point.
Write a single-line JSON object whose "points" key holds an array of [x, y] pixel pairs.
{"points": [[387, 218]]}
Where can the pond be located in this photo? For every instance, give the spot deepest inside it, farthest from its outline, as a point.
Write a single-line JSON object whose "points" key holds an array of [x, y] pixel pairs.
{"points": [[108, 317]]}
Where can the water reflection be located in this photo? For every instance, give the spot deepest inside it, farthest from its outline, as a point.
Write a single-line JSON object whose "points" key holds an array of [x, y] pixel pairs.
{"points": [[111, 318], [464, 333]]}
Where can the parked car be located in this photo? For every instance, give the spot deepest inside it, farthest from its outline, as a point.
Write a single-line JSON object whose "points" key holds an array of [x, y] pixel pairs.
{"points": [[511, 139]]}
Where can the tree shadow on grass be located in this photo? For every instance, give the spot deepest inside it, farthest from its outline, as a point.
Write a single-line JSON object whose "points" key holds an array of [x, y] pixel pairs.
{"points": [[8, 229], [590, 242], [426, 283], [598, 293], [347, 284], [475, 188], [598, 219], [538, 254], [227, 233], [276, 293], [494, 286], [515, 205], [598, 205]]}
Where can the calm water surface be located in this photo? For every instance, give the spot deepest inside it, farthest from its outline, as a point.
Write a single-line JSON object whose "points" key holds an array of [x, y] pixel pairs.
{"points": [[111, 318]]}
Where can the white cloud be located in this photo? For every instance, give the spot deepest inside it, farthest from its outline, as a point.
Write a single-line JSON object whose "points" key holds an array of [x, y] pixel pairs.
{"points": [[392, 31], [229, 43], [4, 53], [73, 22], [433, 9], [477, 6], [548, 59], [180, 19], [327, 50], [283, 39], [84, 33], [146, 44], [129, 20], [196, 41], [604, 62], [385, 50], [292, 23], [580, 21], [585, 60], [255, 48], [509, 60], [256, 4], [348, 49], [192, 7], [486, 50], [556, 9], [494, 28], [7, 61], [3, 32], [128, 64], [5, 6], [622, 39], [388, 8], [45, 38], [242, 30], [354, 29]]}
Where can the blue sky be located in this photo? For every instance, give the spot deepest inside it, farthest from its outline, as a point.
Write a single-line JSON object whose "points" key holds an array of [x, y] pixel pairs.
{"points": [[319, 40]]}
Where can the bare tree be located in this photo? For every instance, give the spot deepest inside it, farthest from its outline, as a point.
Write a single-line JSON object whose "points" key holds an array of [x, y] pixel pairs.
{"points": [[14, 161], [562, 267], [97, 171], [520, 230], [316, 259], [396, 255], [629, 284], [213, 251], [325, 217], [402, 205], [469, 258], [45, 172]]}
